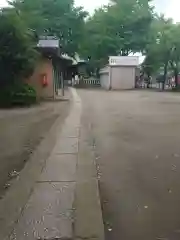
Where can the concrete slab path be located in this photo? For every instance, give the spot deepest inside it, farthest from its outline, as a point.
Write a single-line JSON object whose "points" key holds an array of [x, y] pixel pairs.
{"points": [[64, 202]]}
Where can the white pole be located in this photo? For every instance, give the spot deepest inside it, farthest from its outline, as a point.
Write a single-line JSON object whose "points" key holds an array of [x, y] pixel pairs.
{"points": [[62, 84]]}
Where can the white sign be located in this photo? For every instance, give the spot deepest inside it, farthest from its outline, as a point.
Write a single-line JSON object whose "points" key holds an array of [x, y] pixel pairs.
{"points": [[48, 43], [123, 61]]}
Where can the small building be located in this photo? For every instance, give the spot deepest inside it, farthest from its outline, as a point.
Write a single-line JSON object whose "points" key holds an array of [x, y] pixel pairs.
{"points": [[50, 69], [120, 73]]}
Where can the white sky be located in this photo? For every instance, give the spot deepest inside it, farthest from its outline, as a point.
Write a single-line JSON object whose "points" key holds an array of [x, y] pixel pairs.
{"points": [[90, 5], [169, 7]]}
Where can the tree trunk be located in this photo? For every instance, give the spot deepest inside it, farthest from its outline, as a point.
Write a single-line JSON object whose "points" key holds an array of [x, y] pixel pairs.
{"points": [[176, 76], [148, 80], [176, 73], [97, 72], [165, 75]]}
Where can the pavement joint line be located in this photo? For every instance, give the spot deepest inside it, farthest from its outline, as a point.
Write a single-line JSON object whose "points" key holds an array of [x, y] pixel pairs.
{"points": [[65, 181], [86, 238], [65, 153], [56, 238], [71, 137]]}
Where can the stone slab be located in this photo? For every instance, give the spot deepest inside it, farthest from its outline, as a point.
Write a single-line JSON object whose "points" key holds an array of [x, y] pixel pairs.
{"points": [[60, 168], [70, 132], [88, 214], [66, 146], [48, 213], [73, 121], [86, 165], [88, 220]]}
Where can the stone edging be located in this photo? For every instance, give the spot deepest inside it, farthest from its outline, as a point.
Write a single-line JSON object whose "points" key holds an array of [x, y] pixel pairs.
{"points": [[88, 222]]}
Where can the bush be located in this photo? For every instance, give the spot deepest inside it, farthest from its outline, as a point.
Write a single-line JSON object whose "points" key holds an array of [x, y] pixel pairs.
{"points": [[176, 89], [18, 95], [18, 52]]}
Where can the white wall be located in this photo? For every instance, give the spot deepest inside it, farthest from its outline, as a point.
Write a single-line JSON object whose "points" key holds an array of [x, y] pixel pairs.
{"points": [[122, 77], [104, 78]]}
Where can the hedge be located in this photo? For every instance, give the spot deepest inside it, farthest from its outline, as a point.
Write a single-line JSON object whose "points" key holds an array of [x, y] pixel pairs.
{"points": [[18, 95]]}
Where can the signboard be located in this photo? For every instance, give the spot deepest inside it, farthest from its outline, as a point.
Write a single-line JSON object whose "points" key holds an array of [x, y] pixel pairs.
{"points": [[48, 43], [123, 61]]}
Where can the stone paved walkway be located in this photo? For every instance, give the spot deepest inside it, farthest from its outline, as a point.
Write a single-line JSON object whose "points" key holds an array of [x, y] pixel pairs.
{"points": [[64, 203], [49, 211]]}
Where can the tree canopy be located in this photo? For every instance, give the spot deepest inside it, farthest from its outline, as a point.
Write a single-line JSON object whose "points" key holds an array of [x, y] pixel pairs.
{"points": [[163, 48], [59, 18], [120, 28], [17, 49]]}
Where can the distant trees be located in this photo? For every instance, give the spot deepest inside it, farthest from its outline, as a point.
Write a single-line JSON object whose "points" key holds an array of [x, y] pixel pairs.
{"points": [[122, 27], [163, 49]]}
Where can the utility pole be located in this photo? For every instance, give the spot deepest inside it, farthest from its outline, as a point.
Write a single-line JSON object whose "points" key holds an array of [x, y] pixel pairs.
{"points": [[62, 84]]}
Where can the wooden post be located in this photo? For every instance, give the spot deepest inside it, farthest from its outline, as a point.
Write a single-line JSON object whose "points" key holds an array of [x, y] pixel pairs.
{"points": [[62, 84]]}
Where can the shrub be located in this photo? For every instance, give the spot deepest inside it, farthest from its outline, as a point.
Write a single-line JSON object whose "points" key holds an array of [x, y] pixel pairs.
{"points": [[17, 49], [17, 95], [23, 95]]}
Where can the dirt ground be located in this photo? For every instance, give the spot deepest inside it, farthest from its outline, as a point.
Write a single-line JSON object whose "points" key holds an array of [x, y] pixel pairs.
{"points": [[136, 135], [21, 130]]}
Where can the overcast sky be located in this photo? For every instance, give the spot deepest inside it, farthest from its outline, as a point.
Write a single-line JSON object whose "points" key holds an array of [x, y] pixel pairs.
{"points": [[169, 7]]}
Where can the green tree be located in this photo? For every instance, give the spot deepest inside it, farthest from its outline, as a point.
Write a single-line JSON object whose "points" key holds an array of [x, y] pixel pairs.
{"points": [[49, 17], [17, 50], [175, 52], [118, 28], [163, 48], [159, 47]]}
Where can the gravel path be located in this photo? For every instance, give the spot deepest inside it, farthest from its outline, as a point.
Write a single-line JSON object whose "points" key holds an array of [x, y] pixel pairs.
{"points": [[136, 135]]}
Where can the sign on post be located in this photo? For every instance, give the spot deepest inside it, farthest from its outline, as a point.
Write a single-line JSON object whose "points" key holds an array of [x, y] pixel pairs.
{"points": [[123, 61]]}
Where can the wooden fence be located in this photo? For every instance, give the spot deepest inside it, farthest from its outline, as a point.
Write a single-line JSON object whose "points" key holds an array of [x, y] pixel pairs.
{"points": [[90, 83]]}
